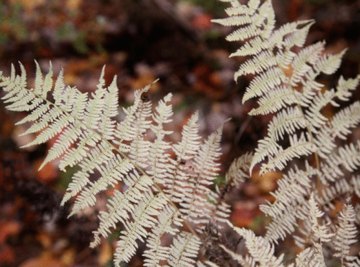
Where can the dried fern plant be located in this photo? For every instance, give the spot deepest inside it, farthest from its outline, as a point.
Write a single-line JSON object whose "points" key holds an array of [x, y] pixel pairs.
{"points": [[153, 193], [160, 189], [301, 140]]}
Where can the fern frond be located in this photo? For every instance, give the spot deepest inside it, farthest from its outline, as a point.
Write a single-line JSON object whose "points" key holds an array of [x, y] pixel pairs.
{"points": [[264, 82], [291, 194], [354, 261], [282, 225], [185, 151], [206, 264], [278, 99], [114, 171], [239, 170], [246, 261], [286, 84], [119, 208], [299, 147], [345, 86], [115, 155], [267, 146], [346, 119], [313, 230], [259, 248], [345, 157], [320, 232], [340, 189], [159, 149], [287, 121], [195, 202], [156, 252], [143, 219], [311, 257], [184, 250], [345, 234]]}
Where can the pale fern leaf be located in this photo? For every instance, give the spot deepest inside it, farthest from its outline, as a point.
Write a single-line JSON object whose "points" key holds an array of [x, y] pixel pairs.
{"points": [[264, 82], [259, 248], [239, 170], [120, 206], [344, 158], [346, 233], [113, 171], [299, 147], [143, 219], [339, 189], [345, 120], [266, 147], [345, 86], [156, 252], [159, 149], [291, 193], [206, 168], [185, 152], [310, 257], [246, 261], [355, 181], [320, 232], [287, 121], [184, 250], [279, 98], [95, 157]]}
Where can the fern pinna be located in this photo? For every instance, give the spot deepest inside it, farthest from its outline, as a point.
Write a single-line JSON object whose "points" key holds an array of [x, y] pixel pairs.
{"points": [[153, 192], [301, 140]]}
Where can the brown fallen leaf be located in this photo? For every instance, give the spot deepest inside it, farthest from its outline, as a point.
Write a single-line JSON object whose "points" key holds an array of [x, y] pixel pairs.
{"points": [[7, 229]]}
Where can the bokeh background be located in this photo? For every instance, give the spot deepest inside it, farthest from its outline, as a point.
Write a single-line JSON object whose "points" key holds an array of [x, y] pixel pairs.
{"points": [[138, 40]]}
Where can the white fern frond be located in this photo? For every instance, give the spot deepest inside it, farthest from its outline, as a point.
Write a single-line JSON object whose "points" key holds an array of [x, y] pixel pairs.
{"points": [[185, 152], [278, 99], [348, 156], [264, 82], [184, 250], [239, 170], [195, 202], [346, 233], [266, 147], [282, 225], [353, 261], [143, 219], [292, 191], [206, 264], [345, 86], [339, 189], [246, 261], [113, 172], [287, 121], [259, 248], [299, 147], [119, 208], [346, 119], [310, 257], [156, 252], [159, 149], [320, 232]]}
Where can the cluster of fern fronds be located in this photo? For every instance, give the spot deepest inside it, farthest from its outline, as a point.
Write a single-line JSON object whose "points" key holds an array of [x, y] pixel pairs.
{"points": [[163, 193], [158, 188], [309, 147]]}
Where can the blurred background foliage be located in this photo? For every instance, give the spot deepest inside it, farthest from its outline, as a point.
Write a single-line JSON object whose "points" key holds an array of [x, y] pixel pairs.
{"points": [[138, 40]]}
